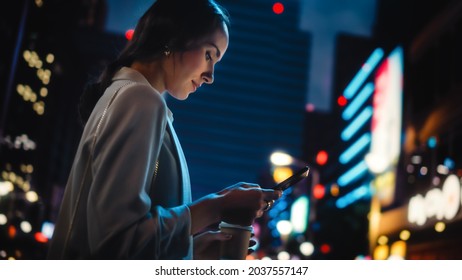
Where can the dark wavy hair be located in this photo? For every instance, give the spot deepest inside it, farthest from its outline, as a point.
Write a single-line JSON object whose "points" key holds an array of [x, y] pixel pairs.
{"points": [[178, 25]]}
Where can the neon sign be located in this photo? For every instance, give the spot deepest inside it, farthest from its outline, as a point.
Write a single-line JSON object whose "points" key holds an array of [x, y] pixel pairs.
{"points": [[437, 203], [386, 125]]}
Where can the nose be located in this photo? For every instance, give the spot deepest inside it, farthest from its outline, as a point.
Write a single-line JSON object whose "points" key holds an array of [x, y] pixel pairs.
{"points": [[208, 77]]}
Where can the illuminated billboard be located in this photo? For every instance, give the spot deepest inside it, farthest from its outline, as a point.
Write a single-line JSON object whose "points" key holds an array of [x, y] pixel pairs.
{"points": [[373, 124], [383, 156]]}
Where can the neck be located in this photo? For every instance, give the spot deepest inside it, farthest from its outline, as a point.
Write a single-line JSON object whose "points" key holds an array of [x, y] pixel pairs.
{"points": [[152, 71]]}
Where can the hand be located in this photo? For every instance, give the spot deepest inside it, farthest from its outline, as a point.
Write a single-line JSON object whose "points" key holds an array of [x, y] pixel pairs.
{"points": [[238, 204], [207, 245], [243, 202]]}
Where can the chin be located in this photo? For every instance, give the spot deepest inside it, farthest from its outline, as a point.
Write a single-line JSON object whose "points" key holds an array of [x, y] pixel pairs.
{"points": [[181, 96]]}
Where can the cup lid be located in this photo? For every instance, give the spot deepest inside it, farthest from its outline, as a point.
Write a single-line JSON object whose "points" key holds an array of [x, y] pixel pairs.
{"points": [[227, 225]]}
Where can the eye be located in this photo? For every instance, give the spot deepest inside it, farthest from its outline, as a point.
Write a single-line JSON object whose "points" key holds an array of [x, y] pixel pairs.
{"points": [[208, 56]]}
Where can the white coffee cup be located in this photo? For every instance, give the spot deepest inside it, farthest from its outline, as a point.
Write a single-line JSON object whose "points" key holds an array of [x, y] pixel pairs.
{"points": [[237, 246]]}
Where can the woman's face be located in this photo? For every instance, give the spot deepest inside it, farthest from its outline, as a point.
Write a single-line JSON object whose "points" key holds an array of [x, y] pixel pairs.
{"points": [[189, 70]]}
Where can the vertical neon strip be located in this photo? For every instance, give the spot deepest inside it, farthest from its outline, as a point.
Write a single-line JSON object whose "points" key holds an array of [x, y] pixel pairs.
{"points": [[363, 73], [362, 97], [387, 118], [356, 124]]}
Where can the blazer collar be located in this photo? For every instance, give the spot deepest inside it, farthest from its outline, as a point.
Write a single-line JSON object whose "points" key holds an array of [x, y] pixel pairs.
{"points": [[127, 73]]}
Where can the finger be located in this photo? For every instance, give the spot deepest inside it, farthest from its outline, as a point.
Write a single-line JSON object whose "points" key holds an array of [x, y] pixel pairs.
{"points": [[214, 235], [268, 205], [250, 186], [263, 204], [270, 194], [222, 236]]}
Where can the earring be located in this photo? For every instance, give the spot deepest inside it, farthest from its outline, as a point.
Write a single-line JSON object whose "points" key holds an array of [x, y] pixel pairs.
{"points": [[167, 51]]}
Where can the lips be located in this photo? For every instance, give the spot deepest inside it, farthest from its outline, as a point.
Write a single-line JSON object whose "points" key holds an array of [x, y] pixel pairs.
{"points": [[195, 86]]}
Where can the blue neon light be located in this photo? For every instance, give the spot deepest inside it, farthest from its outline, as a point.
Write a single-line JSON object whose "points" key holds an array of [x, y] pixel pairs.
{"points": [[362, 192], [354, 106], [449, 163], [275, 233], [272, 224], [356, 124], [363, 73], [354, 173], [431, 142], [354, 149]]}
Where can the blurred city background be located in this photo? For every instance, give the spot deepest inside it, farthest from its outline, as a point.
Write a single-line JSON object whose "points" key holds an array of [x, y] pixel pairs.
{"points": [[368, 93]]}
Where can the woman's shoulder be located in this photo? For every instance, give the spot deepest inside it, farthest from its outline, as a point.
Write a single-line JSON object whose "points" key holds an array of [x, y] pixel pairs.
{"points": [[135, 92], [138, 102]]}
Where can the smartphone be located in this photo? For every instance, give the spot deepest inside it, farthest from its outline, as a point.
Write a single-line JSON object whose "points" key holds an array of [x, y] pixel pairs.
{"points": [[294, 179]]}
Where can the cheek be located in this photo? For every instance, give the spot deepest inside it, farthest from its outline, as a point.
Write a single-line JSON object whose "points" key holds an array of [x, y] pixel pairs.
{"points": [[194, 62]]}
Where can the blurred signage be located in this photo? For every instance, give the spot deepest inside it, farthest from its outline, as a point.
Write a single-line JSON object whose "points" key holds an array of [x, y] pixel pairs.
{"points": [[383, 156], [437, 203]]}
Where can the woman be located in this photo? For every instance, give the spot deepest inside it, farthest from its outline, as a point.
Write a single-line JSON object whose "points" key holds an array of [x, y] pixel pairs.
{"points": [[128, 193]]}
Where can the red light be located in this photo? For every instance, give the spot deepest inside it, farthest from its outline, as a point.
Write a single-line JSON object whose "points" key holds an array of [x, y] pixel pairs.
{"points": [[129, 34], [11, 231], [39, 237], [322, 157], [278, 8], [325, 248], [342, 101], [319, 191]]}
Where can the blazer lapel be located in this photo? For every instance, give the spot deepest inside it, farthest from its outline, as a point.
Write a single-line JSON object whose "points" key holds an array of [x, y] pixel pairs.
{"points": [[183, 165]]}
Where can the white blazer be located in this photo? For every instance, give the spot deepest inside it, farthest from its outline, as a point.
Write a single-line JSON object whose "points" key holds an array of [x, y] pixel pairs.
{"points": [[116, 205]]}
